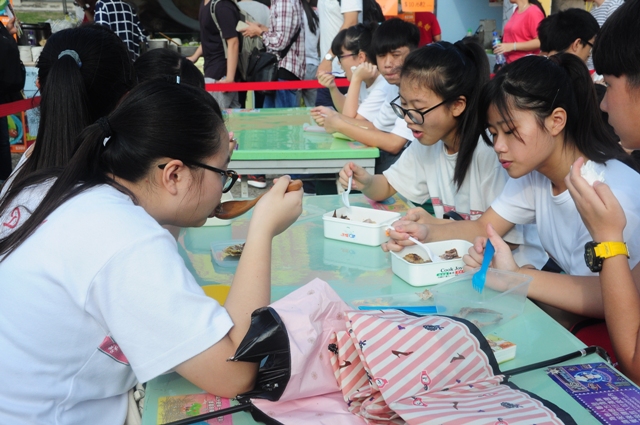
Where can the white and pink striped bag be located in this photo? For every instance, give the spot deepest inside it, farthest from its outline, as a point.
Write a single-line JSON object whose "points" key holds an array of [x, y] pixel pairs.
{"points": [[393, 367]]}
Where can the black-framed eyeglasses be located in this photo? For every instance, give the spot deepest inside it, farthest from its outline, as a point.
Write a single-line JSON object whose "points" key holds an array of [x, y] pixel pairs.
{"points": [[229, 177], [345, 56], [589, 43], [414, 115]]}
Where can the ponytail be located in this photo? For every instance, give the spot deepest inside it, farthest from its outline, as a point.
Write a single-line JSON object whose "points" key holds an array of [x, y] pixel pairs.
{"points": [[539, 5], [83, 73], [452, 71], [127, 144], [312, 17], [539, 84]]}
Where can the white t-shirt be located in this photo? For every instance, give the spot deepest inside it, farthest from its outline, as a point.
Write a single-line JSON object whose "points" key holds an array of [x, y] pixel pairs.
{"points": [[22, 207], [331, 19], [376, 95], [530, 199], [310, 42], [386, 120], [424, 172], [95, 300]]}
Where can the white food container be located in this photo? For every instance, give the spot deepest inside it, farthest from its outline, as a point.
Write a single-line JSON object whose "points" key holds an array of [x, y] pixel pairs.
{"points": [[430, 273], [355, 230]]}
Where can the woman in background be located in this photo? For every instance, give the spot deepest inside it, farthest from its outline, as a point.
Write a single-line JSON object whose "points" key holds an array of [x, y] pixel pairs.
{"points": [[520, 37]]}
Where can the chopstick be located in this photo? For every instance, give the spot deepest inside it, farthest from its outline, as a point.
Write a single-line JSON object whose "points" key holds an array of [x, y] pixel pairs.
{"points": [[169, 38]]}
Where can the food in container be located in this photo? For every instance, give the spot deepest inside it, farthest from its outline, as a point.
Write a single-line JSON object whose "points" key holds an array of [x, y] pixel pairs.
{"points": [[364, 226], [411, 264]]}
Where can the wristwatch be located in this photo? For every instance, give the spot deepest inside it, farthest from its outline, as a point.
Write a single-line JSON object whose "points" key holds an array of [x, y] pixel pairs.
{"points": [[328, 57], [596, 252]]}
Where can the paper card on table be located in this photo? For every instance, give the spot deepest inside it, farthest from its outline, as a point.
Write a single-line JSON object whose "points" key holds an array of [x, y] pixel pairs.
{"points": [[502, 349], [178, 407], [608, 395]]}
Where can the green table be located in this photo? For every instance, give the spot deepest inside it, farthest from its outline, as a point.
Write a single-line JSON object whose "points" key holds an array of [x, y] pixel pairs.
{"points": [[302, 253], [273, 141]]}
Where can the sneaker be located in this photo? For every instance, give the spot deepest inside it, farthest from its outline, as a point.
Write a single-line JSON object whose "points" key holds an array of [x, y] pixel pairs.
{"points": [[257, 181]]}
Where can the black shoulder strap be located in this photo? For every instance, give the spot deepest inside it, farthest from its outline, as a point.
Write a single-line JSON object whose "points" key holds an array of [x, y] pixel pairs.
{"points": [[282, 53]]}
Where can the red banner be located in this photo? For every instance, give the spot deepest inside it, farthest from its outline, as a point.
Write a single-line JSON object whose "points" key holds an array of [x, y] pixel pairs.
{"points": [[19, 106]]}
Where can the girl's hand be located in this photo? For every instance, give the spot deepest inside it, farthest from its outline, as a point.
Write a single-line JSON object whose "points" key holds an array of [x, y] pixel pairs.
{"points": [[365, 71], [399, 238], [331, 122], [277, 210], [502, 259], [361, 179], [319, 114], [419, 215], [327, 80], [600, 210]]}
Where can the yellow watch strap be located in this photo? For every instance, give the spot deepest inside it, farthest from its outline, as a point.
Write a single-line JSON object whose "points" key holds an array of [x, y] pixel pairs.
{"points": [[611, 249]]}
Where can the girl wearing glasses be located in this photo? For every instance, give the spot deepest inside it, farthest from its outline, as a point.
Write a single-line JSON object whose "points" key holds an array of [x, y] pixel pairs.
{"points": [[95, 296], [367, 88], [439, 95], [543, 115]]}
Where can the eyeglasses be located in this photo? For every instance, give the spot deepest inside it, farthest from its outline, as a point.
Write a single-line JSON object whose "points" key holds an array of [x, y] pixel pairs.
{"points": [[589, 43], [229, 177], [414, 115], [346, 56]]}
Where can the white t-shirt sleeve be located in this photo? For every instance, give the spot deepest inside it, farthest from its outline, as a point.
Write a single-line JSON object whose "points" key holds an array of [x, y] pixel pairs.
{"points": [[400, 129], [370, 107], [351, 6], [385, 119], [153, 308], [407, 174], [516, 202]]}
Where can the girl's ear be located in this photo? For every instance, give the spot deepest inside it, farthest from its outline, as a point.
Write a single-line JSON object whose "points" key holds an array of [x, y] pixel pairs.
{"points": [[362, 57], [575, 46], [458, 106], [556, 122], [172, 175]]}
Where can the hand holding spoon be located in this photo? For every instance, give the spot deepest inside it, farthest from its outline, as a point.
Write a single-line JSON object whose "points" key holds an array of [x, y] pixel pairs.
{"points": [[232, 209]]}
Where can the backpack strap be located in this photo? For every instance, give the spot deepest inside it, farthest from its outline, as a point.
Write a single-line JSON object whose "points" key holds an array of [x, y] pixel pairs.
{"points": [[215, 21], [282, 53]]}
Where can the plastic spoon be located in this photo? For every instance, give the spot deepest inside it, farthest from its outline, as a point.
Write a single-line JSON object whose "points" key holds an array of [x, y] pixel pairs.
{"points": [[426, 249], [232, 209], [479, 278], [345, 194]]}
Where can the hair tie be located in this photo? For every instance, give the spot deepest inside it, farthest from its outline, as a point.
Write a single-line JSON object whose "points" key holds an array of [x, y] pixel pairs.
{"points": [[73, 54], [103, 122]]}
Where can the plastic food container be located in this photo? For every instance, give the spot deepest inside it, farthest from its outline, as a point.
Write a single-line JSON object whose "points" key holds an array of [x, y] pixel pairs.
{"points": [[430, 273], [355, 230], [222, 260], [341, 254], [501, 300]]}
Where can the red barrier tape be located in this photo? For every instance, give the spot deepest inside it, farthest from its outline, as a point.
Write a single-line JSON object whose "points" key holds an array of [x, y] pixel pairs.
{"points": [[26, 104], [19, 106], [275, 85]]}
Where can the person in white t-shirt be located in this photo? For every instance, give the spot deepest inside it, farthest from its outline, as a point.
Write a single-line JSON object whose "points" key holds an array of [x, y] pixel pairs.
{"points": [[335, 16], [617, 57], [440, 87], [392, 42], [543, 115], [95, 296], [367, 89]]}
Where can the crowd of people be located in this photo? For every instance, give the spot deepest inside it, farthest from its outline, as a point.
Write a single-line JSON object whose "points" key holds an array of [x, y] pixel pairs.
{"points": [[95, 296]]}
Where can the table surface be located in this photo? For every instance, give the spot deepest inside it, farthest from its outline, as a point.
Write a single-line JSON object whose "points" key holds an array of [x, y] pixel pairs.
{"points": [[278, 133], [301, 254]]}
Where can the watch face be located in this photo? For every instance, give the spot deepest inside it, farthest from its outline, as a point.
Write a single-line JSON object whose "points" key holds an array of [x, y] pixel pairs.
{"points": [[590, 258], [328, 57]]}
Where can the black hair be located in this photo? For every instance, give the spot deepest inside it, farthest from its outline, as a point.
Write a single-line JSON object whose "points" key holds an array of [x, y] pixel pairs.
{"points": [[617, 48], [451, 71], [558, 31], [162, 63], [312, 17], [393, 34], [355, 39], [372, 12], [540, 85], [76, 91], [539, 5], [157, 119]]}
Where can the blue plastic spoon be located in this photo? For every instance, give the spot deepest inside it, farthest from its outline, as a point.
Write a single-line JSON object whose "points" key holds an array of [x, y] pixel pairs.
{"points": [[479, 278]]}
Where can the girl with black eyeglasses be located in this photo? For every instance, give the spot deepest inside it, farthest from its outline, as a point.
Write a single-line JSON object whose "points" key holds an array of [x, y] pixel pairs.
{"points": [[449, 164]]}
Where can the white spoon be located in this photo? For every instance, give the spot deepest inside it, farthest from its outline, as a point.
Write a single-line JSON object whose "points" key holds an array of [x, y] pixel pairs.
{"points": [[345, 194], [426, 249]]}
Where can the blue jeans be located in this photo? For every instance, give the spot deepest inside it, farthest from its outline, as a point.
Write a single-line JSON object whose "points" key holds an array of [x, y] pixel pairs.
{"points": [[282, 99]]}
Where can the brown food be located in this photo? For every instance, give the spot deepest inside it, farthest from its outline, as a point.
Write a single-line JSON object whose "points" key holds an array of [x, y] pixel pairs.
{"points": [[452, 254], [233, 251], [368, 220], [415, 259], [344, 217]]}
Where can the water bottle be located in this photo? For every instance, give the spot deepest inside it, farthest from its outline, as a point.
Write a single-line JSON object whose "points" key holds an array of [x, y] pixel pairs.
{"points": [[500, 59]]}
